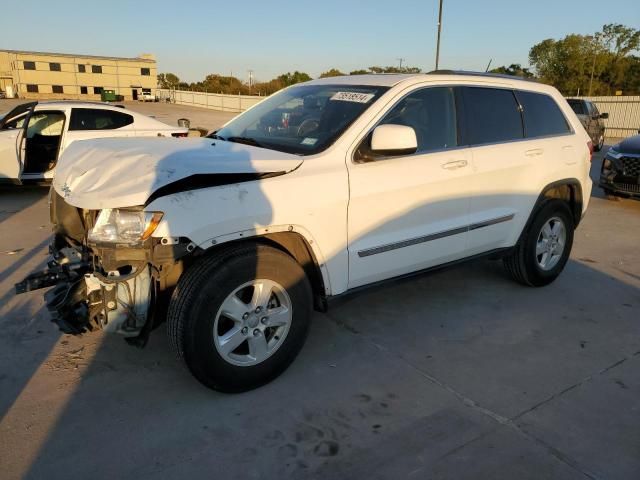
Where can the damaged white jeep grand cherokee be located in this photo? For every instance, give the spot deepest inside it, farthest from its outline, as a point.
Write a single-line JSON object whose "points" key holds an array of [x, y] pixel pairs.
{"points": [[320, 189]]}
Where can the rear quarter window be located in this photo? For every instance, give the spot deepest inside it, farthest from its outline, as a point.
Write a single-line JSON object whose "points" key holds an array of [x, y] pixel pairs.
{"points": [[492, 115], [542, 116], [98, 119]]}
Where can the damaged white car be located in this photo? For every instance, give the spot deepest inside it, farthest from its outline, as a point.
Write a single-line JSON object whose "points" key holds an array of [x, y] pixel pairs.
{"points": [[317, 191], [33, 135]]}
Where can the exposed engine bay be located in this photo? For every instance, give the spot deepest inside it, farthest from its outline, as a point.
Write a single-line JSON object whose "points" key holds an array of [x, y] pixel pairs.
{"points": [[109, 287]]}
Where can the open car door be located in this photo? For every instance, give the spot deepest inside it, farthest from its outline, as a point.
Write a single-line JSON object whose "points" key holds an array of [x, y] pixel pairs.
{"points": [[12, 130]]}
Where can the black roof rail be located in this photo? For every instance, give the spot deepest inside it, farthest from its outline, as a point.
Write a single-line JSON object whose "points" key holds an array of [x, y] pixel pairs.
{"points": [[481, 74]]}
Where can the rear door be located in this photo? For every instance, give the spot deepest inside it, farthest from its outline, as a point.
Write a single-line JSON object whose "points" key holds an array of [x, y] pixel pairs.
{"points": [[86, 123], [522, 142], [12, 130], [500, 188]]}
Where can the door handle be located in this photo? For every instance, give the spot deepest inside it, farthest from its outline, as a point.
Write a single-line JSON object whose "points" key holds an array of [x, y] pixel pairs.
{"points": [[455, 164], [534, 152]]}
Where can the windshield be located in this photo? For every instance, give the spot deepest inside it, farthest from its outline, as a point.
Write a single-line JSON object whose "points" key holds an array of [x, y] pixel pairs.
{"points": [[303, 120]]}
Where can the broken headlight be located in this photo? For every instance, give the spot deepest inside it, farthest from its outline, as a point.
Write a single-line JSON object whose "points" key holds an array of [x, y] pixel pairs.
{"points": [[115, 225]]}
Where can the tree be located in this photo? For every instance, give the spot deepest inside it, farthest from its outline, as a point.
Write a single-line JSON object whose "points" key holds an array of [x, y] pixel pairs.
{"points": [[359, 72], [514, 69], [168, 80], [334, 72], [592, 64], [293, 78]]}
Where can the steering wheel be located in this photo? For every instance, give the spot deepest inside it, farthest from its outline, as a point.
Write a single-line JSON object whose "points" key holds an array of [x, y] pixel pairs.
{"points": [[307, 126]]}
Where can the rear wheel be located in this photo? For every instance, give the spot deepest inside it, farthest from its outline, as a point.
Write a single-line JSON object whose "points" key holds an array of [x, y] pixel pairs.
{"points": [[239, 320], [598, 146], [544, 248]]}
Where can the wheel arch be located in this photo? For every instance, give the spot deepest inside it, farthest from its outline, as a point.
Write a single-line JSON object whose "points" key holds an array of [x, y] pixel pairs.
{"points": [[295, 244], [568, 190]]}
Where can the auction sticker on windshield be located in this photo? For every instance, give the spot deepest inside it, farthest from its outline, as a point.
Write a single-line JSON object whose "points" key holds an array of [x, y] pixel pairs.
{"points": [[352, 97]]}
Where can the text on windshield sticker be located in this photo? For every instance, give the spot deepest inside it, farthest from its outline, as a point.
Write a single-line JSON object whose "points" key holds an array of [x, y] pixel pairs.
{"points": [[352, 97]]}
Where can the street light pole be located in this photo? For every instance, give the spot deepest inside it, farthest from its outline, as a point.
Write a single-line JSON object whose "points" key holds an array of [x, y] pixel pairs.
{"points": [[439, 30]]}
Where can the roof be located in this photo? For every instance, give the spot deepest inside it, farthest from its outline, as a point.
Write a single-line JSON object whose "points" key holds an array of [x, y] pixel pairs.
{"points": [[76, 55], [54, 103], [390, 80]]}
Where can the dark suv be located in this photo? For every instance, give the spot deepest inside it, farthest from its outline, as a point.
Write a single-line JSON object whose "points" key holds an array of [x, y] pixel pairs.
{"points": [[591, 119], [620, 173]]}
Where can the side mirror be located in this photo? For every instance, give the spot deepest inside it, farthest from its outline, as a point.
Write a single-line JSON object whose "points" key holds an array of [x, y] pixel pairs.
{"points": [[604, 116], [394, 140]]}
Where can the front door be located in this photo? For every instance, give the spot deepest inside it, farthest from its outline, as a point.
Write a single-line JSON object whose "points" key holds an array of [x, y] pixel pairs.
{"points": [[41, 144], [408, 213], [134, 93], [12, 128]]}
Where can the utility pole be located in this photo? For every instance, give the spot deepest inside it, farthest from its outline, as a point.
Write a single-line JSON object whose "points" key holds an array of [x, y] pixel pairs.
{"points": [[593, 67], [439, 30], [400, 60], [250, 79]]}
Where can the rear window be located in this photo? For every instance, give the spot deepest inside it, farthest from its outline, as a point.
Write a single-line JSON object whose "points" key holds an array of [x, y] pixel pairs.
{"points": [[577, 106], [98, 119], [542, 116], [492, 114]]}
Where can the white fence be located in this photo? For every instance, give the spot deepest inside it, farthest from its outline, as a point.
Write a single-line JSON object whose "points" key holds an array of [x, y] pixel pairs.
{"points": [[214, 101], [623, 121], [624, 115]]}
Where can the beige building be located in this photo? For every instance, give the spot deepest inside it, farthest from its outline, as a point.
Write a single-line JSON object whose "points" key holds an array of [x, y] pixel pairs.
{"points": [[38, 75]]}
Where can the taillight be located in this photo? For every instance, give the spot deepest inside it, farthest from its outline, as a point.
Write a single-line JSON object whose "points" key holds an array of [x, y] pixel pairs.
{"points": [[179, 135], [590, 145]]}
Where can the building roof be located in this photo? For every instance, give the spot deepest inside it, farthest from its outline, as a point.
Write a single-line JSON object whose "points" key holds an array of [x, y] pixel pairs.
{"points": [[76, 55]]}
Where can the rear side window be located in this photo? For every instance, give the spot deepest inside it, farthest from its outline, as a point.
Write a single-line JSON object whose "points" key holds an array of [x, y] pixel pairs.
{"points": [[542, 116], [492, 115], [98, 119], [577, 106]]}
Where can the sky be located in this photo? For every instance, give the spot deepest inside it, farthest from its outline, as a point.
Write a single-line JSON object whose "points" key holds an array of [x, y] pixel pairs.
{"points": [[270, 37]]}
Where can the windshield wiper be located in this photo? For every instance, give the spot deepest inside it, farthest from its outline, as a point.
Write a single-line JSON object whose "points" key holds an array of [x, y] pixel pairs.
{"points": [[244, 140]]}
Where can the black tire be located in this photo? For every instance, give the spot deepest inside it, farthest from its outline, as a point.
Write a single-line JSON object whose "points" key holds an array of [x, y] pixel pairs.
{"points": [[598, 146], [202, 289], [522, 263]]}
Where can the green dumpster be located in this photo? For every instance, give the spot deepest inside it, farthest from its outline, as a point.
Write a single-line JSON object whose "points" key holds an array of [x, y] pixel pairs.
{"points": [[108, 96]]}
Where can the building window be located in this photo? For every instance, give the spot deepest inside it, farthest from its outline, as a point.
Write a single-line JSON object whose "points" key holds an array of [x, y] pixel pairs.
{"points": [[29, 65], [32, 88], [54, 67], [96, 68], [145, 71], [57, 89], [82, 68], [83, 90], [97, 90]]}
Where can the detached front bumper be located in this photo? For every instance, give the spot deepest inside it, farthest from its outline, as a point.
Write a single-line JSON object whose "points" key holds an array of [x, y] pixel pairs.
{"points": [[84, 300]]}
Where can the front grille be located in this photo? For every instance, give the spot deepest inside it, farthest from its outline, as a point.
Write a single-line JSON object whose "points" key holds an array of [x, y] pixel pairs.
{"points": [[631, 166], [627, 187]]}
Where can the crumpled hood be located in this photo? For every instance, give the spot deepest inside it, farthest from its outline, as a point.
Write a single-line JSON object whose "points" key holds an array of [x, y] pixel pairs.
{"points": [[124, 172]]}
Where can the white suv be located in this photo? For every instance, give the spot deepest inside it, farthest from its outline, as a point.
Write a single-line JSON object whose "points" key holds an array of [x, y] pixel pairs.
{"points": [[321, 189]]}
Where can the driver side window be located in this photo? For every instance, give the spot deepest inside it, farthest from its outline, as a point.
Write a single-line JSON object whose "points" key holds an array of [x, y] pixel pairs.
{"points": [[431, 112]]}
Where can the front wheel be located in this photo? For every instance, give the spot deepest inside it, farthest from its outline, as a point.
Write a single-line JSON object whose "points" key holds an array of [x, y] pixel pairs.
{"points": [[239, 320], [544, 248]]}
